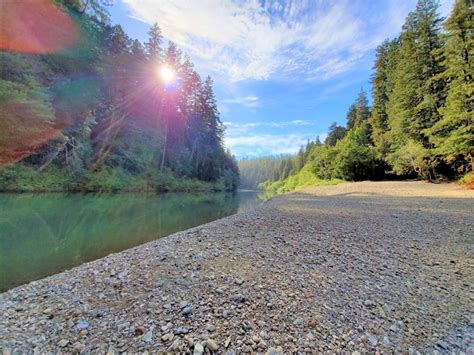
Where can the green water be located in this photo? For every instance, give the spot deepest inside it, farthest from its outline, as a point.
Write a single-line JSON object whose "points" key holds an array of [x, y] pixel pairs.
{"points": [[44, 234]]}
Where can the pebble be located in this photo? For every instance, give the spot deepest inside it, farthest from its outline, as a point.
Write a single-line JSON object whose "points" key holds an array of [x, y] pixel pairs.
{"points": [[275, 351], [148, 336], [63, 343], [211, 345], [83, 324], [198, 349], [167, 337], [187, 310]]}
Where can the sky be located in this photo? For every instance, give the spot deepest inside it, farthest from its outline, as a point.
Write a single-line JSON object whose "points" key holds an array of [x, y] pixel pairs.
{"points": [[283, 70]]}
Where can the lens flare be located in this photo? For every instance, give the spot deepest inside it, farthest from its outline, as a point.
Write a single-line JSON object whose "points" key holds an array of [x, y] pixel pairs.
{"points": [[36, 26], [167, 74]]}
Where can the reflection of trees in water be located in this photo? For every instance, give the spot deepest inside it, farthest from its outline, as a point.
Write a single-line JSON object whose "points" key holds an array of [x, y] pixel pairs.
{"points": [[45, 234]]}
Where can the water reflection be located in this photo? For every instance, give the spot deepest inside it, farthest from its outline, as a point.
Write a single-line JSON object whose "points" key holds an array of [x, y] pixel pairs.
{"points": [[41, 235]]}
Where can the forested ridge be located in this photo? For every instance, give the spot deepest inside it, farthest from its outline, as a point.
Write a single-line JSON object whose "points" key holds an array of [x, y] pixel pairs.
{"points": [[421, 123], [95, 116]]}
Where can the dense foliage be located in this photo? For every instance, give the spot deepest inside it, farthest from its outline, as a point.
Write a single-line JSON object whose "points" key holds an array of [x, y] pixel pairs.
{"points": [[421, 123], [97, 116]]}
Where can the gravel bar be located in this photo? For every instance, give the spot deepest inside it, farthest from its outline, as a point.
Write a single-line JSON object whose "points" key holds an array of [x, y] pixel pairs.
{"points": [[371, 266]]}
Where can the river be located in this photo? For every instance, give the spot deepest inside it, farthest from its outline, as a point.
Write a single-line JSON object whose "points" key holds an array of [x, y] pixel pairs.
{"points": [[44, 234]]}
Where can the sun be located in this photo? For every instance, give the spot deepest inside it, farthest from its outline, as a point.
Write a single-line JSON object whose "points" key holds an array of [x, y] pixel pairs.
{"points": [[167, 74]]}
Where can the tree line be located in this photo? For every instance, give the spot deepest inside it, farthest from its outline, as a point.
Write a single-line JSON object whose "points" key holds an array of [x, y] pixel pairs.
{"points": [[421, 123], [97, 116]]}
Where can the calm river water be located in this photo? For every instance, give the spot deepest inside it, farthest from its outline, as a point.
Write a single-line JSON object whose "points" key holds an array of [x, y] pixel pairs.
{"points": [[43, 234]]}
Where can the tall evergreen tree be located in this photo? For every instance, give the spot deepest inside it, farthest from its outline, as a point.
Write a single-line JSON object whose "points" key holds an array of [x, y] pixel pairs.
{"points": [[453, 134], [153, 46], [382, 85], [351, 117]]}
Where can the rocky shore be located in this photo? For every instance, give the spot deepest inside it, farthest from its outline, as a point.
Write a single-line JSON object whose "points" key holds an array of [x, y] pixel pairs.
{"points": [[354, 267]]}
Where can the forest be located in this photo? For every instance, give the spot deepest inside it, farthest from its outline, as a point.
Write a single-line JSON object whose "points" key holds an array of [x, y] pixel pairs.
{"points": [[96, 116], [420, 124]]}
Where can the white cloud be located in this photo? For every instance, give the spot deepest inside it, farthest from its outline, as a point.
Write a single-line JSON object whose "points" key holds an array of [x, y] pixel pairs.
{"points": [[265, 144], [254, 139], [248, 101], [256, 40]]}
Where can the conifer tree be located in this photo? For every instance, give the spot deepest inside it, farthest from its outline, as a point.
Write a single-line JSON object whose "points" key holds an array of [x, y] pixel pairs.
{"points": [[453, 134], [382, 85], [153, 46]]}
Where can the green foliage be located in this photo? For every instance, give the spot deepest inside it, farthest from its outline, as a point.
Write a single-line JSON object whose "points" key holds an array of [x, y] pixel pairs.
{"points": [[99, 114], [352, 158], [453, 134], [382, 86], [411, 157], [303, 178], [22, 177], [268, 169], [335, 134], [355, 159]]}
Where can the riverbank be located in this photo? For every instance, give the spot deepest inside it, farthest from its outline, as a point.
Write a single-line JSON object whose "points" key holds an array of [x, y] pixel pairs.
{"points": [[20, 178], [360, 266]]}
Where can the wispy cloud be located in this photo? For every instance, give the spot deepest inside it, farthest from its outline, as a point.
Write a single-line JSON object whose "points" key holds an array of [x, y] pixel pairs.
{"points": [[248, 101], [254, 139], [265, 144], [311, 40]]}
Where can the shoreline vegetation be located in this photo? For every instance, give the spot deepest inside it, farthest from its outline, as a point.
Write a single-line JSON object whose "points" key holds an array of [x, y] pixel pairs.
{"points": [[367, 248], [26, 179]]}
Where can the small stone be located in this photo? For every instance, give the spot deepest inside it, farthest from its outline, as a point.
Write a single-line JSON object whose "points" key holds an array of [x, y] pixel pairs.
{"points": [[226, 313], [83, 324], [187, 310], [298, 322], [78, 347], [63, 343], [175, 345], [210, 328], [239, 298], [148, 336], [313, 323], [181, 330], [167, 337], [198, 349], [255, 338], [189, 341], [394, 328], [443, 345], [139, 330], [369, 303], [246, 325], [227, 342], [372, 339], [275, 351], [262, 344], [211, 345]]}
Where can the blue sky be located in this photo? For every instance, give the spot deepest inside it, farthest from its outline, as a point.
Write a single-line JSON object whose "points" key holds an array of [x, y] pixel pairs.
{"points": [[283, 70]]}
